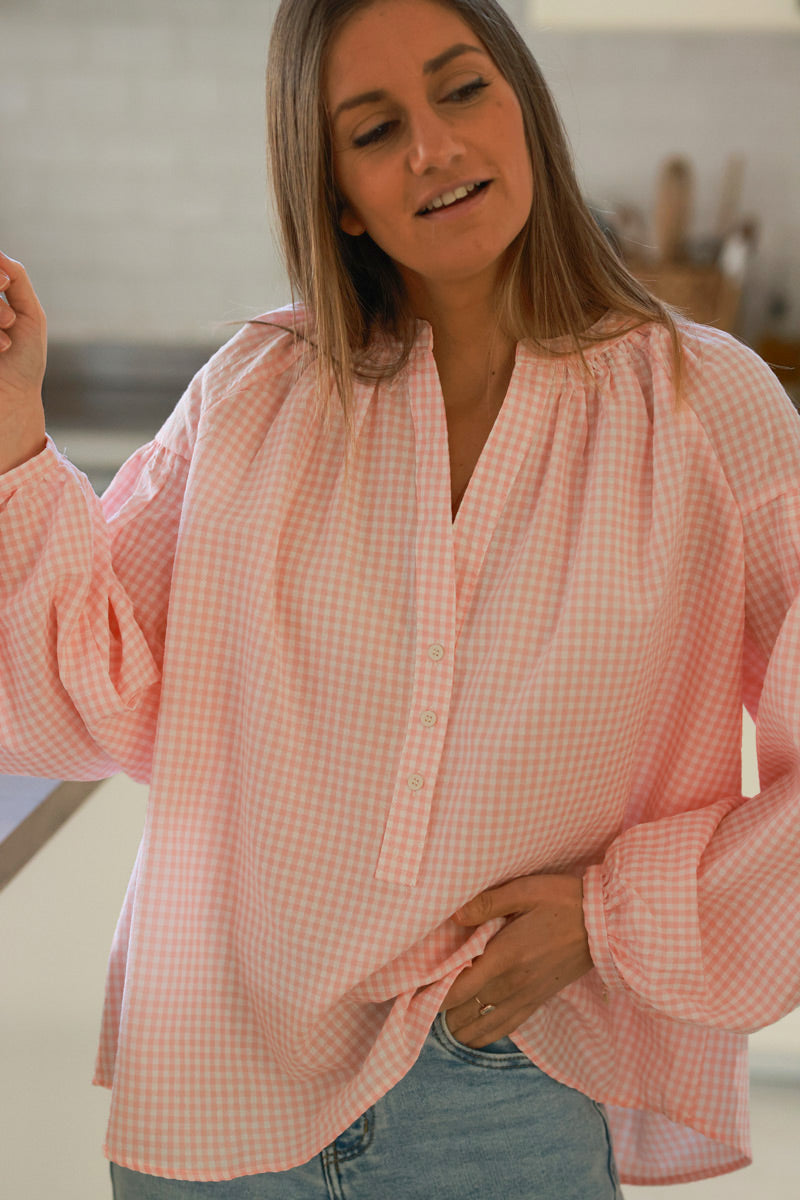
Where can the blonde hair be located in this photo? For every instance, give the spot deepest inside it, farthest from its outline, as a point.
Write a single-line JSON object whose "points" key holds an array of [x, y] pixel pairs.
{"points": [[559, 269]]}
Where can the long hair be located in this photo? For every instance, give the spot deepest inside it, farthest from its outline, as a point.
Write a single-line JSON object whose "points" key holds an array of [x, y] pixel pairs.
{"points": [[560, 267]]}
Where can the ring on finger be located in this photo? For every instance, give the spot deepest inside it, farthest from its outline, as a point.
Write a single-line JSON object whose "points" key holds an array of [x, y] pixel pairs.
{"points": [[483, 1009]]}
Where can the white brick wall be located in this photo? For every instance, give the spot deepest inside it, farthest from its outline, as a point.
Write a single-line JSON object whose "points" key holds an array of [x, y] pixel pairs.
{"points": [[132, 152], [132, 164]]}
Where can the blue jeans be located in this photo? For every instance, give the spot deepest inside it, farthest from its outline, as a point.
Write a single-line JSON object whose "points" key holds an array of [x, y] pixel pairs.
{"points": [[463, 1124]]}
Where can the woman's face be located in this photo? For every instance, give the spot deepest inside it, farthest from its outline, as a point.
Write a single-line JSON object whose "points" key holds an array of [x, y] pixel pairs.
{"points": [[420, 117]]}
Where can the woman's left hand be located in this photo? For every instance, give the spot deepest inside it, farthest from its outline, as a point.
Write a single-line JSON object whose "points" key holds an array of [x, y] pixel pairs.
{"points": [[541, 948]]}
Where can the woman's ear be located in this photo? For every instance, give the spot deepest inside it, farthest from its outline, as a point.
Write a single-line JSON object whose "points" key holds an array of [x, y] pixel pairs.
{"points": [[350, 223]]}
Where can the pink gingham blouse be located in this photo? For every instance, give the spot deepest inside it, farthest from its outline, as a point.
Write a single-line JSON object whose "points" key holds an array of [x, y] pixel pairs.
{"points": [[356, 713]]}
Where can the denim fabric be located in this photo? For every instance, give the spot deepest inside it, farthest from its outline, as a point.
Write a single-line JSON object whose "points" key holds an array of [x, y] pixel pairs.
{"points": [[463, 1124]]}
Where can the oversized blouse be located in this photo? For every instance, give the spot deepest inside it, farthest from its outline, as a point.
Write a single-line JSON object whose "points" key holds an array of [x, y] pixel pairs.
{"points": [[355, 713]]}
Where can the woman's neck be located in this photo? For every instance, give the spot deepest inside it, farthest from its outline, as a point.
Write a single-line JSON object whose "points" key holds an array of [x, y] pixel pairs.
{"points": [[473, 356]]}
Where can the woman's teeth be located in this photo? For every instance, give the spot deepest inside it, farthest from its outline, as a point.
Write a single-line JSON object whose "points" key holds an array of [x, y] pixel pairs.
{"points": [[448, 198]]}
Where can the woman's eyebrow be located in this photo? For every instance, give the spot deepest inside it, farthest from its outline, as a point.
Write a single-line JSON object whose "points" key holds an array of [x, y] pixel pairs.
{"points": [[428, 68], [441, 60]]}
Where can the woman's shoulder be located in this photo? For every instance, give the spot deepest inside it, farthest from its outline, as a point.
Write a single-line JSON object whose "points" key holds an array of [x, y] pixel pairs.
{"points": [[730, 398], [714, 352], [745, 413], [266, 346], [724, 380], [253, 369]]}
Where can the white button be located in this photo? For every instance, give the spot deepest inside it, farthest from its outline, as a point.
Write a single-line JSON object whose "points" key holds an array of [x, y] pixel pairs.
{"points": [[436, 651], [428, 718], [415, 782]]}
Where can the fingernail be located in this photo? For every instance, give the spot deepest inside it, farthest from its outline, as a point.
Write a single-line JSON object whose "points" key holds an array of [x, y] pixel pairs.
{"points": [[4, 280]]}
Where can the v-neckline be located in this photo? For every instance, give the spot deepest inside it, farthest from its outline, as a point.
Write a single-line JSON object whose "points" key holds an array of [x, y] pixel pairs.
{"points": [[456, 506]]}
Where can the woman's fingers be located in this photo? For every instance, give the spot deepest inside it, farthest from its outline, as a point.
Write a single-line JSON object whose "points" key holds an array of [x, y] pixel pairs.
{"points": [[23, 355], [7, 314], [542, 947], [24, 329], [18, 289], [478, 1031]]}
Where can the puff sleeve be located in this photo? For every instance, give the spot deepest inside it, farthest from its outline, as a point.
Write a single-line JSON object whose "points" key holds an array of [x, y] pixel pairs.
{"points": [[697, 916], [84, 598]]}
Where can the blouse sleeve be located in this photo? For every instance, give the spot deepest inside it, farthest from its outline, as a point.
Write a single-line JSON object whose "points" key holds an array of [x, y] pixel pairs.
{"points": [[697, 916], [84, 592]]}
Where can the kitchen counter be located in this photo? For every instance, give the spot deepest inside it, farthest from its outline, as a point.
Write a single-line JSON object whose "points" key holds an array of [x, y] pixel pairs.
{"points": [[31, 811]]}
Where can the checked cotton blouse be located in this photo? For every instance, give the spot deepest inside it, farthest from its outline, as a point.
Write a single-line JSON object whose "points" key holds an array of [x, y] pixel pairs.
{"points": [[356, 713]]}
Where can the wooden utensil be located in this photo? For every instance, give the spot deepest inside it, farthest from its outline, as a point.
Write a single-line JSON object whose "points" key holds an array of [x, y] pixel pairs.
{"points": [[673, 208], [730, 196]]}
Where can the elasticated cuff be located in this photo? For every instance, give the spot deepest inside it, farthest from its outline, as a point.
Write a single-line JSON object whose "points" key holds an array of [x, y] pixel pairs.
{"points": [[32, 469], [594, 916]]}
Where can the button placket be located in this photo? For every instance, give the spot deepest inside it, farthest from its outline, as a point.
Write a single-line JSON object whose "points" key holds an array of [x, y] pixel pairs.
{"points": [[427, 718], [406, 829]]}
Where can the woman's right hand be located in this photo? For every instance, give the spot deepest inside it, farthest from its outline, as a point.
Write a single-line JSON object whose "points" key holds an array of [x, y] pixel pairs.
{"points": [[23, 355]]}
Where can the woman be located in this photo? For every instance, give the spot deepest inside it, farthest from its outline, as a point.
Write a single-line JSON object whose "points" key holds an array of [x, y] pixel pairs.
{"points": [[447, 884]]}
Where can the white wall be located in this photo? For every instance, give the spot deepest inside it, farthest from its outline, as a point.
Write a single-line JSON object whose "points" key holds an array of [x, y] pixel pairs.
{"points": [[132, 163], [132, 151], [678, 14]]}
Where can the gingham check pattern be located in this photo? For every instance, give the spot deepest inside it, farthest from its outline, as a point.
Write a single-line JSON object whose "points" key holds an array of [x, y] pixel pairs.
{"points": [[368, 713]]}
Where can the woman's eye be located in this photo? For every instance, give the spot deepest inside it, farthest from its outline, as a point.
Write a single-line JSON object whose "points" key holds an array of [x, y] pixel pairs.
{"points": [[376, 134], [468, 90], [379, 133]]}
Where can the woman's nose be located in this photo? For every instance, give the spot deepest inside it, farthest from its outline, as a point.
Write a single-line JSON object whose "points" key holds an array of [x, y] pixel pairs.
{"points": [[432, 143]]}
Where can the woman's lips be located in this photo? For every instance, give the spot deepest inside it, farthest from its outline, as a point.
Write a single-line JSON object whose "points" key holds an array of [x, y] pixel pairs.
{"points": [[467, 204]]}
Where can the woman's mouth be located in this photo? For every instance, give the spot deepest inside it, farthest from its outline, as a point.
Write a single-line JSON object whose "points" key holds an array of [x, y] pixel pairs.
{"points": [[463, 196]]}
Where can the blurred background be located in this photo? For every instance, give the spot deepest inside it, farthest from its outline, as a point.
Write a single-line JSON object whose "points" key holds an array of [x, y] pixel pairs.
{"points": [[134, 190], [134, 181]]}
